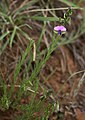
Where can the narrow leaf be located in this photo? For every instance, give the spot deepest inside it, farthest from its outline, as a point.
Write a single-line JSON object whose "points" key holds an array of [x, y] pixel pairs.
{"points": [[12, 36], [41, 18], [4, 35]]}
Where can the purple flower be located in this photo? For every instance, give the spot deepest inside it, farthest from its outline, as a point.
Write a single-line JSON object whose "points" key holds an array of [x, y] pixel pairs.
{"points": [[60, 29]]}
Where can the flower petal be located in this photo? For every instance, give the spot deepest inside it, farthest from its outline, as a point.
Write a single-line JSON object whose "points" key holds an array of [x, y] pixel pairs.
{"points": [[59, 28]]}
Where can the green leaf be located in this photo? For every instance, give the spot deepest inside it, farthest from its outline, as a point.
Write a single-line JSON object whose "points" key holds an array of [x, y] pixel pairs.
{"points": [[41, 18], [12, 36], [18, 68], [4, 35]]}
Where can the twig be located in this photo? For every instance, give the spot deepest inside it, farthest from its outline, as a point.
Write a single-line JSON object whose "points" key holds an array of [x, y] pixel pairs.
{"points": [[66, 8], [34, 52]]}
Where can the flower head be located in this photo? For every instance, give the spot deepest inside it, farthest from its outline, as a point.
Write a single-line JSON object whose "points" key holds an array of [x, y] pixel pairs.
{"points": [[60, 29]]}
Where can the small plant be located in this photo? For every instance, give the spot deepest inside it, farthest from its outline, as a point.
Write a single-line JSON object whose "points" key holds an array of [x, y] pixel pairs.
{"points": [[13, 25]]}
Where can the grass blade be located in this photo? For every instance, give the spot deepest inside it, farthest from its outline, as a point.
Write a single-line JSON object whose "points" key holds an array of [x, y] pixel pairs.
{"points": [[41, 18], [17, 70], [4, 35], [12, 36]]}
